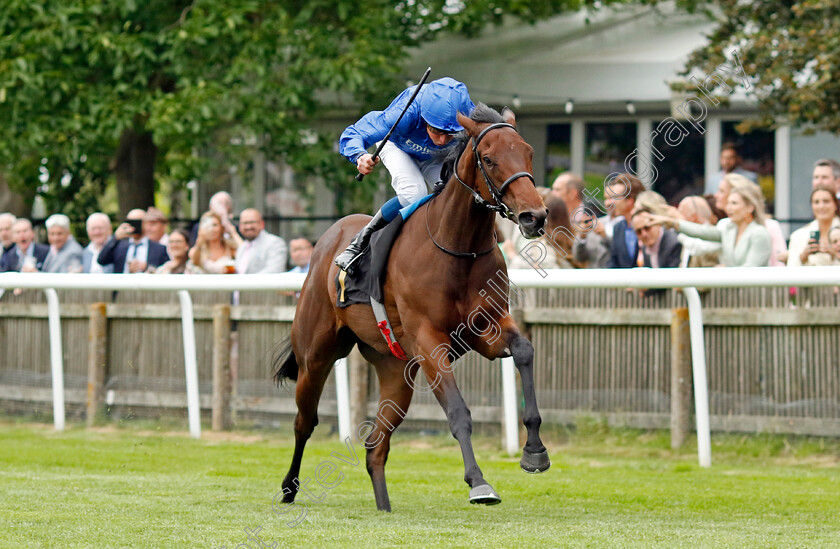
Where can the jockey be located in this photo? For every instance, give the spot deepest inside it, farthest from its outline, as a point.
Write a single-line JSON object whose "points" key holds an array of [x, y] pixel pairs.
{"points": [[413, 153]]}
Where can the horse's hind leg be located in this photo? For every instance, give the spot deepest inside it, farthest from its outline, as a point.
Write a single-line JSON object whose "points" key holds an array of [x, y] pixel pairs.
{"points": [[310, 384], [313, 373], [394, 399]]}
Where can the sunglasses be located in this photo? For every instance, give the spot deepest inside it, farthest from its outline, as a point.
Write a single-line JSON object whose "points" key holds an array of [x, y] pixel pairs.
{"points": [[643, 229]]}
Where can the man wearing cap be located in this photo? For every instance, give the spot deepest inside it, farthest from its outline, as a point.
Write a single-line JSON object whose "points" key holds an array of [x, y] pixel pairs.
{"points": [[154, 226], [412, 154]]}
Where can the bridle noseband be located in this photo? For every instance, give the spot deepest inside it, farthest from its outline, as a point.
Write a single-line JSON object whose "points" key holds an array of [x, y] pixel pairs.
{"points": [[495, 192]]}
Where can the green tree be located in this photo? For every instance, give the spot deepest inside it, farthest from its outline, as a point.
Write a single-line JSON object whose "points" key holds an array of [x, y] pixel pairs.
{"points": [[99, 90], [790, 49]]}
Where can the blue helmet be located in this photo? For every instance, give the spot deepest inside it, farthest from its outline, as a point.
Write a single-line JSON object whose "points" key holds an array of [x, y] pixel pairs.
{"points": [[440, 101]]}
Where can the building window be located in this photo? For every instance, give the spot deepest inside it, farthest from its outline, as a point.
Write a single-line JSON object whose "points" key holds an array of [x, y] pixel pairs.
{"points": [[758, 151], [680, 168], [558, 158], [607, 146]]}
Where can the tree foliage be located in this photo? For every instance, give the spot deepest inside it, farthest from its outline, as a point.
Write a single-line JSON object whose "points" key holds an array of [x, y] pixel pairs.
{"points": [[792, 52], [93, 89]]}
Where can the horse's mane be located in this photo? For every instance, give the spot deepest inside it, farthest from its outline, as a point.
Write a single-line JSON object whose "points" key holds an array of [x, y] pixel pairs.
{"points": [[481, 114]]}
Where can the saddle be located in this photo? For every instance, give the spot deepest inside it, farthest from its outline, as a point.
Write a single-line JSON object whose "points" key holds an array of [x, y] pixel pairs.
{"points": [[366, 284]]}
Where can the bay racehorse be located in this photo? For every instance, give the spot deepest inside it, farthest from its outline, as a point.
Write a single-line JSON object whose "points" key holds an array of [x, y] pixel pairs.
{"points": [[438, 297]]}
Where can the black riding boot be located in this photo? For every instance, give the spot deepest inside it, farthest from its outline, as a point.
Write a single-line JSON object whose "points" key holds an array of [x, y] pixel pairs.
{"points": [[360, 242]]}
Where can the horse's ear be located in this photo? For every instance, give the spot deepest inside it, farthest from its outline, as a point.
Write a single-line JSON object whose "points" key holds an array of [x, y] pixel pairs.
{"points": [[509, 117], [467, 123]]}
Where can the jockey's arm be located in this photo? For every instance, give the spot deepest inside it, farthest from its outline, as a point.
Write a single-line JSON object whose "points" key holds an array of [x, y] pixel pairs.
{"points": [[372, 128]]}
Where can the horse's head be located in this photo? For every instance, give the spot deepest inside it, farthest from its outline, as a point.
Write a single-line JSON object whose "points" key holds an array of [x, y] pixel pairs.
{"points": [[498, 167]]}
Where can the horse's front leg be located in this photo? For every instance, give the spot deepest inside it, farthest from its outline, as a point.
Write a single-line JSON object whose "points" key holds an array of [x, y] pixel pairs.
{"points": [[437, 367], [534, 455], [510, 342]]}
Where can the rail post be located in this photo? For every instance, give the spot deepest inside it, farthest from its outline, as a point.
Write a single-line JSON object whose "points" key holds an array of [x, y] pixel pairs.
{"points": [[97, 355], [221, 414], [680, 377]]}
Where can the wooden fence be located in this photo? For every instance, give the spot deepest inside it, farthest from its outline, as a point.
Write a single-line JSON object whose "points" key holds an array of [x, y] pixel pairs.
{"points": [[772, 358]]}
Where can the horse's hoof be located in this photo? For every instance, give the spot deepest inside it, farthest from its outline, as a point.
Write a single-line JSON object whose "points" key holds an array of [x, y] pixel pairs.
{"points": [[484, 494], [535, 463]]}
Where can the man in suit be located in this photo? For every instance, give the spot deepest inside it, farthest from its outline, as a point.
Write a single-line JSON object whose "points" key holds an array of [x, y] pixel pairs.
{"points": [[569, 188], [98, 228], [300, 252], [129, 251], [730, 162], [826, 172], [26, 256], [624, 248], [6, 239], [154, 226], [65, 253], [660, 247], [261, 251]]}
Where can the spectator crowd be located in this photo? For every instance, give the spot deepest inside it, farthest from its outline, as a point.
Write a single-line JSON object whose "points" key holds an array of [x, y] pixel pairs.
{"points": [[638, 228], [141, 244], [730, 228]]}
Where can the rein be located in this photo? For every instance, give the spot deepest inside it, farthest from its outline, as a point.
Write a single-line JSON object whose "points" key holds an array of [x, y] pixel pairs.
{"points": [[454, 253], [497, 193]]}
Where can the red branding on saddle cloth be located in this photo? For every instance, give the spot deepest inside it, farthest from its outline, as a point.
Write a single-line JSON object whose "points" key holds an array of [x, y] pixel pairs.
{"points": [[393, 345]]}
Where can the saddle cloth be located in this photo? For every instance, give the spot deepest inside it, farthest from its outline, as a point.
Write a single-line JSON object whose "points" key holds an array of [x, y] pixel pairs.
{"points": [[368, 276]]}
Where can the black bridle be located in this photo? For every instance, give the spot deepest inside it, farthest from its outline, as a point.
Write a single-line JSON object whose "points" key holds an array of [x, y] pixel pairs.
{"points": [[495, 192]]}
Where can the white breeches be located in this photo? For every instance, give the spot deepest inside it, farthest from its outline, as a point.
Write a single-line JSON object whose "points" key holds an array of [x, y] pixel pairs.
{"points": [[409, 178]]}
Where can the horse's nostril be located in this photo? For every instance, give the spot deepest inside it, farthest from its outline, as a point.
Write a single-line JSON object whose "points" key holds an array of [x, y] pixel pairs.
{"points": [[531, 221], [527, 219]]}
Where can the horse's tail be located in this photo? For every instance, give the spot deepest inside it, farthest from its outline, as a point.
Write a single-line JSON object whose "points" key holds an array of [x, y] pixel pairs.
{"points": [[285, 362]]}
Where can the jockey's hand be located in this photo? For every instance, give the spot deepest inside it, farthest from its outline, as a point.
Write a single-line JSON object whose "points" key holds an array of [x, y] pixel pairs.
{"points": [[365, 163]]}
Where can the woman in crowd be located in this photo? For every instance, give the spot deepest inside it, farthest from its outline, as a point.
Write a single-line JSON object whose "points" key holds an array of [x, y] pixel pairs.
{"points": [[556, 251], [745, 242], [834, 240], [214, 249], [779, 252], [810, 245], [178, 248]]}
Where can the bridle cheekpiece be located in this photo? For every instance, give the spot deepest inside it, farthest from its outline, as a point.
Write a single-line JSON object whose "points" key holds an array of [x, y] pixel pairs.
{"points": [[495, 192]]}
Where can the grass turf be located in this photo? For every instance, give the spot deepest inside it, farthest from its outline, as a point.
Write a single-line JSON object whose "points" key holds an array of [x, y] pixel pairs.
{"points": [[128, 487]]}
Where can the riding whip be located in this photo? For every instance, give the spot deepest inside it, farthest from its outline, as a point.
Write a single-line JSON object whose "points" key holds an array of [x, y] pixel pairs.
{"points": [[360, 176]]}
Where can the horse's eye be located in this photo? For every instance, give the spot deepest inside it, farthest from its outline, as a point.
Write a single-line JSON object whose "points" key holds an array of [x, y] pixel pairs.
{"points": [[487, 161]]}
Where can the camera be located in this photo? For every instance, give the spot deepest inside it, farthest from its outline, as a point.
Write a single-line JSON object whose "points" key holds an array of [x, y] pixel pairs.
{"points": [[815, 235], [136, 224]]}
